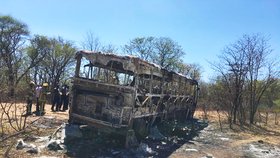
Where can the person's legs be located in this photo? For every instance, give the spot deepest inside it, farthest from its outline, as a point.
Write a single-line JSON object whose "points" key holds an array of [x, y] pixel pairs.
{"points": [[40, 105], [43, 108], [37, 105], [57, 107], [60, 103], [65, 103], [54, 106]]}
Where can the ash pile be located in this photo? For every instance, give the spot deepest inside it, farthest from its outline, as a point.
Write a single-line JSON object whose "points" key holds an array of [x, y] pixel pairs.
{"points": [[84, 141], [33, 144]]}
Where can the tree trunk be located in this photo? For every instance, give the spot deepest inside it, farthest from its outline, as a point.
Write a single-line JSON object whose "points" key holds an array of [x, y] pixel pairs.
{"points": [[11, 84], [242, 116], [234, 113], [252, 115], [221, 128], [205, 112], [276, 122]]}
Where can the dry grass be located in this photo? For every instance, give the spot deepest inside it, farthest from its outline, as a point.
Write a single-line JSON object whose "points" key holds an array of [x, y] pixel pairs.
{"points": [[58, 118], [20, 109], [269, 133]]}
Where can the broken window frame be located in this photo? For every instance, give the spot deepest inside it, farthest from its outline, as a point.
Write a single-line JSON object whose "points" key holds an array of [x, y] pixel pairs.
{"points": [[173, 88]]}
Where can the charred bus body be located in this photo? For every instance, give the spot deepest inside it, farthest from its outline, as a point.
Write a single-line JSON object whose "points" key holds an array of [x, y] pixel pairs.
{"points": [[118, 93]]}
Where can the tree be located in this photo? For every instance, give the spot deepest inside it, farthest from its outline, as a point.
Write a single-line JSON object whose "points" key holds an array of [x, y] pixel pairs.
{"points": [[270, 100], [162, 51], [192, 71], [247, 73], [215, 98], [222, 98], [271, 95], [58, 60], [13, 35], [167, 53], [204, 97], [109, 49], [91, 42], [233, 69], [38, 49], [142, 47], [257, 51]]}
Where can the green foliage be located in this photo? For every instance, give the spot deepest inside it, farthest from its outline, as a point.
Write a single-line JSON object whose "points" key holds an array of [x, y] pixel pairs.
{"points": [[162, 51], [12, 39], [271, 97], [58, 57], [142, 47], [167, 53], [13, 28], [43, 60], [39, 46], [276, 107], [192, 71]]}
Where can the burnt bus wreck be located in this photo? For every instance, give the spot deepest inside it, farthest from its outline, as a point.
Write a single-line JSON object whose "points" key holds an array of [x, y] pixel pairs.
{"points": [[119, 93]]}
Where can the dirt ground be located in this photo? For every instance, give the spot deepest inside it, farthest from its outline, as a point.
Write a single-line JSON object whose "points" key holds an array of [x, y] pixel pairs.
{"points": [[209, 141], [256, 141], [43, 126]]}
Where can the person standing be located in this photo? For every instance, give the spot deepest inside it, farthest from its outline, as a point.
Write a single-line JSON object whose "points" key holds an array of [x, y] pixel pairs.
{"points": [[56, 99], [43, 99], [38, 91], [65, 97], [29, 98]]}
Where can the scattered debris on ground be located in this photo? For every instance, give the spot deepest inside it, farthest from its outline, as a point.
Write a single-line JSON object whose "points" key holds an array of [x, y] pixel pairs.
{"points": [[196, 138], [82, 141], [261, 149]]}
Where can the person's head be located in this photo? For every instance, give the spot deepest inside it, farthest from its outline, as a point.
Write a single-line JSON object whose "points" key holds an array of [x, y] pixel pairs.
{"points": [[45, 85], [31, 84]]}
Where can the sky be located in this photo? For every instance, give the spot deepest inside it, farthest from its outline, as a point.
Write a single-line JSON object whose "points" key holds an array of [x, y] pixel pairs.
{"points": [[202, 27]]}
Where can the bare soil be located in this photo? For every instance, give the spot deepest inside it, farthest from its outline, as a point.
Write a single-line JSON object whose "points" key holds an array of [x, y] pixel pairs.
{"points": [[208, 140], [262, 140]]}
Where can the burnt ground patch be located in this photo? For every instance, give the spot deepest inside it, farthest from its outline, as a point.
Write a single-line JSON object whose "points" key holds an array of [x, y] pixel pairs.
{"points": [[162, 141], [170, 139], [176, 134]]}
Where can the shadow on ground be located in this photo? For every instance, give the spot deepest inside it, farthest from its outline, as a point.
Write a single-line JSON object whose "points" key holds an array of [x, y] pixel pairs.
{"points": [[163, 140]]}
